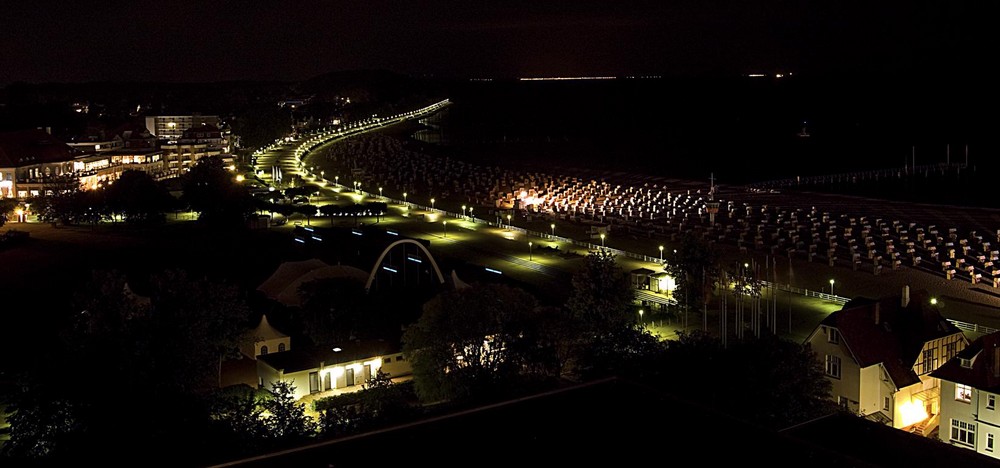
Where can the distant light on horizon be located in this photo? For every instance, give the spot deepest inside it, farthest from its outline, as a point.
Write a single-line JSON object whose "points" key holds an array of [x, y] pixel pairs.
{"points": [[567, 78]]}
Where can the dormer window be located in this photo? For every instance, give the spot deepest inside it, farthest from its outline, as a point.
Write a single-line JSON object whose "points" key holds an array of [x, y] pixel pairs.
{"points": [[833, 336], [965, 363]]}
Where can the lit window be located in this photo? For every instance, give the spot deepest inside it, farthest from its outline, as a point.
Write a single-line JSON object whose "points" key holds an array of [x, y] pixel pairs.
{"points": [[963, 433], [963, 393], [833, 366], [833, 336], [991, 402]]}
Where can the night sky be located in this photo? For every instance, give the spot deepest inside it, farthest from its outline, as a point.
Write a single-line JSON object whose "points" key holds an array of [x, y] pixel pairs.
{"points": [[192, 41]]}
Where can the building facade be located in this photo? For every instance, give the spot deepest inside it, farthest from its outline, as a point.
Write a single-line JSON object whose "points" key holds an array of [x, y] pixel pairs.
{"points": [[343, 368], [970, 388], [172, 127], [879, 356], [33, 163]]}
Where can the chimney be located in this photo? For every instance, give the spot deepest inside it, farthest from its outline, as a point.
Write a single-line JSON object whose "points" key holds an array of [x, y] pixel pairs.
{"points": [[878, 313], [996, 362], [906, 296]]}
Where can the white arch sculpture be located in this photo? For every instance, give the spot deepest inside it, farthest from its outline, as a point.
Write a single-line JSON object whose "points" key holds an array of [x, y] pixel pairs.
{"points": [[371, 276]]}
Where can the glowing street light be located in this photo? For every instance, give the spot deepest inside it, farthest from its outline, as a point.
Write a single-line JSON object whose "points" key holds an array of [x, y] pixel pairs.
{"points": [[432, 203], [661, 254], [446, 228], [336, 180], [380, 192], [529, 251], [470, 212], [404, 198], [508, 221], [602, 240], [240, 178], [640, 316], [933, 299], [831, 286], [463, 211], [553, 227]]}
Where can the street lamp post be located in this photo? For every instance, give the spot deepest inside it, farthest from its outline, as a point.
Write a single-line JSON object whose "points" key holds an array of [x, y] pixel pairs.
{"points": [[380, 192], [553, 226], [470, 212], [463, 211], [640, 316], [336, 179], [661, 254], [831, 286], [508, 221], [446, 228], [529, 251], [404, 198], [432, 203], [602, 240]]}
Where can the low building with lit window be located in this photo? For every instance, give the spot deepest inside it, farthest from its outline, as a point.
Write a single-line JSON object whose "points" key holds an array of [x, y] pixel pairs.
{"points": [[879, 356], [970, 387], [338, 369]]}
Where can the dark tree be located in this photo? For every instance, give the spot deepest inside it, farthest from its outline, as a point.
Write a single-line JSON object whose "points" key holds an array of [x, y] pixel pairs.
{"points": [[782, 383], [287, 420], [602, 295], [237, 412], [473, 343], [196, 323], [65, 201], [42, 423], [212, 191], [696, 270], [138, 198], [7, 207]]}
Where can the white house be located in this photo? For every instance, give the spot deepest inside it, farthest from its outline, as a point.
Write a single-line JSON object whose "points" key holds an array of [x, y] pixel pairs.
{"points": [[970, 385], [345, 367], [879, 355]]}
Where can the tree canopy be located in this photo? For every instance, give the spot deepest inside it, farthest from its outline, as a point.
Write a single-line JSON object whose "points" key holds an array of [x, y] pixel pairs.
{"points": [[473, 342], [212, 191]]}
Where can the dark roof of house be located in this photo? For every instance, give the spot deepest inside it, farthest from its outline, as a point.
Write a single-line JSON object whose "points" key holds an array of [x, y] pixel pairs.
{"points": [[985, 372], [27, 147], [896, 338], [296, 360], [642, 271]]}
